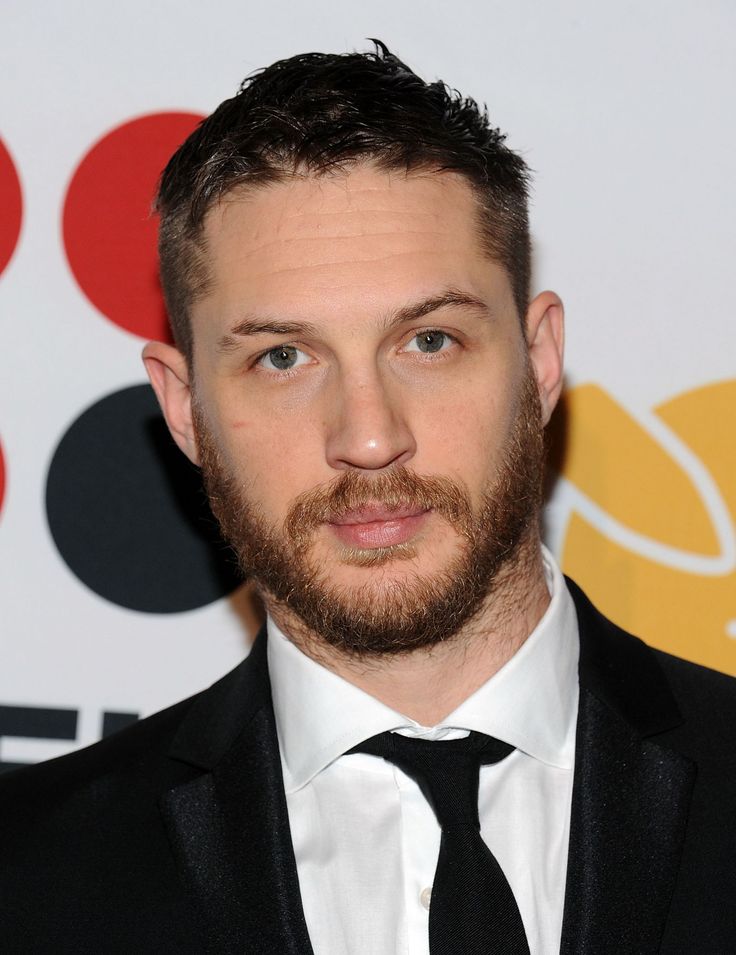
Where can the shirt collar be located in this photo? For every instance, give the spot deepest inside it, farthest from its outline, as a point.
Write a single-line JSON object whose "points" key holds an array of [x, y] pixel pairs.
{"points": [[531, 702]]}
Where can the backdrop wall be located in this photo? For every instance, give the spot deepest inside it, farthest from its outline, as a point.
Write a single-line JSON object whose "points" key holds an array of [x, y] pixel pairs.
{"points": [[116, 597]]}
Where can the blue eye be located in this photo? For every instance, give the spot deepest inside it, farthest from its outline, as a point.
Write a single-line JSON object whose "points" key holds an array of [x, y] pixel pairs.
{"points": [[283, 358], [428, 342]]}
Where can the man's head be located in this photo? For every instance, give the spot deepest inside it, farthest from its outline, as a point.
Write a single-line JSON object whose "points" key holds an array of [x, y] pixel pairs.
{"points": [[323, 113], [346, 261]]}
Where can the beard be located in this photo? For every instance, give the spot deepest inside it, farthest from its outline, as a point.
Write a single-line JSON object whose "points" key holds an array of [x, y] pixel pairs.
{"points": [[384, 615]]}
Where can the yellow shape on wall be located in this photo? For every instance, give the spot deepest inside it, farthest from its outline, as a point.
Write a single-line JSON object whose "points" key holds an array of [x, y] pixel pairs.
{"points": [[652, 536]]}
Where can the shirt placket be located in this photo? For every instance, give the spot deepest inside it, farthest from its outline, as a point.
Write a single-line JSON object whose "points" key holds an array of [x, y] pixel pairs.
{"points": [[420, 844]]}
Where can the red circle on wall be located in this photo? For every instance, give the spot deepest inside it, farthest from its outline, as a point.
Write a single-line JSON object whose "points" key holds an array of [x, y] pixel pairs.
{"points": [[108, 224], [11, 204]]}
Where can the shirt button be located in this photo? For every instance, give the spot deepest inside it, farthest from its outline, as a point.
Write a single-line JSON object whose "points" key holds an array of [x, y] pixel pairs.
{"points": [[425, 897]]}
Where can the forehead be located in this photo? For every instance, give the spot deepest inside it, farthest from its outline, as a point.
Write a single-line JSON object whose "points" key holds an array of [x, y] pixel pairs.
{"points": [[352, 241]]}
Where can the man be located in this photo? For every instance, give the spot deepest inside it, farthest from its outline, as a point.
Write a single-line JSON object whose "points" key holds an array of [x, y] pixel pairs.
{"points": [[436, 744]]}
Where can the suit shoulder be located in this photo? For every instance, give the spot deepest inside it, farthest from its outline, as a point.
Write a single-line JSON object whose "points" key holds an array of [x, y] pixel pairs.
{"points": [[700, 689], [689, 707], [706, 701], [135, 750]]}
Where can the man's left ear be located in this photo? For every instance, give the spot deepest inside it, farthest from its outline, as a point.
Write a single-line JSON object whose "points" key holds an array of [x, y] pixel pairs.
{"points": [[545, 338]]}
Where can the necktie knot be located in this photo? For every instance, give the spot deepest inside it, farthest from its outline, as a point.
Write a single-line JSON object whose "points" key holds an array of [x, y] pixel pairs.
{"points": [[446, 771]]}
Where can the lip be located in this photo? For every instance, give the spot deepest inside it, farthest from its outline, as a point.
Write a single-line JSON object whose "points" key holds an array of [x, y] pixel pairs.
{"points": [[377, 512], [378, 526]]}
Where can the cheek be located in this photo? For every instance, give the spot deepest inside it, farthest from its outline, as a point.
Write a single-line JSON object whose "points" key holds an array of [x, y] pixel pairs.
{"points": [[274, 460], [464, 435]]}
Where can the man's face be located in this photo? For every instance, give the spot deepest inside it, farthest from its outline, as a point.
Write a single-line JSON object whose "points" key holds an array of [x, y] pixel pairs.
{"points": [[366, 414]]}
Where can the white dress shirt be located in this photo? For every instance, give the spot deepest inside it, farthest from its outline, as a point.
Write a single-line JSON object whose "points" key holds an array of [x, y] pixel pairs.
{"points": [[365, 839]]}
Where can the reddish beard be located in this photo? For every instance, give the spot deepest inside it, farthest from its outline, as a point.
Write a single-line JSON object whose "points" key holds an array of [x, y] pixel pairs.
{"points": [[404, 615]]}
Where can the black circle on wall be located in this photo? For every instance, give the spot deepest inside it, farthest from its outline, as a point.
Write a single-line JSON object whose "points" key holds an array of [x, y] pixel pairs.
{"points": [[128, 513]]}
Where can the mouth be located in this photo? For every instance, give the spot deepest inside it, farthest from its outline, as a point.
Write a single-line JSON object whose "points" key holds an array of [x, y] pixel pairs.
{"points": [[378, 526]]}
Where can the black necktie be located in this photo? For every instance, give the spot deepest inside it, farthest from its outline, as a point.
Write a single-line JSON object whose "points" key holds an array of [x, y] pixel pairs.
{"points": [[473, 910]]}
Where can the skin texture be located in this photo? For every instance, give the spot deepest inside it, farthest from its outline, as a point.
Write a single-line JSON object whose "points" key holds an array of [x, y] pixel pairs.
{"points": [[344, 254]]}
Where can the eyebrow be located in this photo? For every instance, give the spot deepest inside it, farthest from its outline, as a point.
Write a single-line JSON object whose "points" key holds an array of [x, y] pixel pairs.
{"points": [[253, 325], [256, 326], [450, 296]]}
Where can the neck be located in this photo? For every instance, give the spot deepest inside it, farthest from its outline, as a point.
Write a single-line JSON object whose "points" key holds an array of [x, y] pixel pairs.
{"points": [[428, 684]]}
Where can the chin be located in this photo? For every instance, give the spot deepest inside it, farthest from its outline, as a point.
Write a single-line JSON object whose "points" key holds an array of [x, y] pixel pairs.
{"points": [[377, 565]]}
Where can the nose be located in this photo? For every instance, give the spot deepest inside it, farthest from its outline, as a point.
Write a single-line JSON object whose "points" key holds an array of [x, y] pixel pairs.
{"points": [[367, 427]]}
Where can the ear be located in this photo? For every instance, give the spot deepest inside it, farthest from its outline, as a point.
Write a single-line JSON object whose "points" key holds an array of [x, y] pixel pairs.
{"points": [[545, 338], [169, 374]]}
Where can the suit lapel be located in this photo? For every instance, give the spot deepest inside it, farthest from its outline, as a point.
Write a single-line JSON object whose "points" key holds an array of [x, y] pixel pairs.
{"points": [[630, 796], [229, 824]]}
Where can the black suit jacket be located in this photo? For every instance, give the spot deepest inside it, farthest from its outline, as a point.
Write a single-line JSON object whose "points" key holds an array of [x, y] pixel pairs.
{"points": [[173, 836]]}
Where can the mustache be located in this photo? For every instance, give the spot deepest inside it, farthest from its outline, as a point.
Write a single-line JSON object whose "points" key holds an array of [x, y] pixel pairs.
{"points": [[393, 490]]}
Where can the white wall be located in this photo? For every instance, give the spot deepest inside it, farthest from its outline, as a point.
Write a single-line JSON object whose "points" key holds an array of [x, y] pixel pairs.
{"points": [[625, 112]]}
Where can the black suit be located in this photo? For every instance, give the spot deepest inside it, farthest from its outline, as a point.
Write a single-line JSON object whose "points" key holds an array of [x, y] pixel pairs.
{"points": [[172, 836]]}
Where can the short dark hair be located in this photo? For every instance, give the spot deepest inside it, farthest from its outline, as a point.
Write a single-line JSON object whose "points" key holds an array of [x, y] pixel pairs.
{"points": [[317, 113]]}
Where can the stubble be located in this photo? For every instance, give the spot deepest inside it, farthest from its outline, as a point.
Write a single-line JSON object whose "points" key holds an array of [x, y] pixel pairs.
{"points": [[387, 614]]}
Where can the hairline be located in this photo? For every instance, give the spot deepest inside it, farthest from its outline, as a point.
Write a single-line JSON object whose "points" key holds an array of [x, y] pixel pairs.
{"points": [[277, 175]]}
